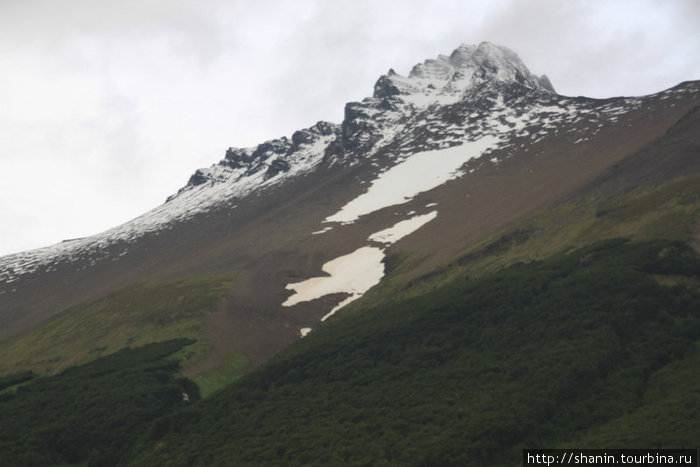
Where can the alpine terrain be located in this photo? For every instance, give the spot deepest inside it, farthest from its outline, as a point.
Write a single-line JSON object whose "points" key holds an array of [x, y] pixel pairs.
{"points": [[468, 265]]}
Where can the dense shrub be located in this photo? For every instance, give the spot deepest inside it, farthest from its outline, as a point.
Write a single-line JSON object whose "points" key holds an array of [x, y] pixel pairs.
{"points": [[92, 412]]}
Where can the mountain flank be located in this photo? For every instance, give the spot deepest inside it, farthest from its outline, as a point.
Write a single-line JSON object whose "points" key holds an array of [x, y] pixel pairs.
{"points": [[467, 254]]}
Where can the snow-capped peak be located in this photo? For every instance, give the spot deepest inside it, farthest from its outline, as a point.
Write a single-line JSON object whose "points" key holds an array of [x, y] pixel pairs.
{"points": [[478, 97], [466, 67]]}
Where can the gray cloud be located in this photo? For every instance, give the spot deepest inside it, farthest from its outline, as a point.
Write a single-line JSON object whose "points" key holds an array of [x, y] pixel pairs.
{"points": [[600, 48], [107, 107]]}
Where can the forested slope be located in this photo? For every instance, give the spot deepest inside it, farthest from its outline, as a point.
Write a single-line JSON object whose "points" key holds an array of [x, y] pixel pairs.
{"points": [[542, 354]]}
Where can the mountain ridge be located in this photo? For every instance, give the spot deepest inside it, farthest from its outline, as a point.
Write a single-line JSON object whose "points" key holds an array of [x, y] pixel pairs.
{"points": [[461, 268], [273, 215]]}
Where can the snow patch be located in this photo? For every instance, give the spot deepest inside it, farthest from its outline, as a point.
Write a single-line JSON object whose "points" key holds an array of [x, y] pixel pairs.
{"points": [[401, 229], [420, 172], [354, 274]]}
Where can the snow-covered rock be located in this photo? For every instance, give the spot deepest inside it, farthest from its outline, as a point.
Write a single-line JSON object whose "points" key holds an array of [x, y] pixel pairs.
{"points": [[467, 67]]}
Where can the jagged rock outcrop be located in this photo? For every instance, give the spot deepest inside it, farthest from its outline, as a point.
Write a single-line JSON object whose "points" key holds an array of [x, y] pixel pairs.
{"points": [[472, 74]]}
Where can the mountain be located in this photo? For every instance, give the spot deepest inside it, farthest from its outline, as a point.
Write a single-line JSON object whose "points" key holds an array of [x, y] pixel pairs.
{"points": [[468, 167]]}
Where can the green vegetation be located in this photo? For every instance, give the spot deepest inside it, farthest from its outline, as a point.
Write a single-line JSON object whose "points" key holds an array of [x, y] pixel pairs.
{"points": [[137, 314], [670, 211], [92, 412], [576, 349], [668, 415], [230, 370], [14, 379]]}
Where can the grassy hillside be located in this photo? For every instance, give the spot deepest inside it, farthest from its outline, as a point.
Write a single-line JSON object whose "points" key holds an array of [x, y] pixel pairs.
{"points": [[668, 211], [137, 314], [556, 352]]}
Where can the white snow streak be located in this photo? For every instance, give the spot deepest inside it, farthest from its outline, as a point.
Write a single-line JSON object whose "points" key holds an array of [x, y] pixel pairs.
{"points": [[420, 172], [356, 272], [324, 230], [401, 229]]}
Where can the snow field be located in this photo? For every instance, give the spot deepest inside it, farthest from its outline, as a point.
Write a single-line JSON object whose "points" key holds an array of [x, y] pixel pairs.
{"points": [[354, 273], [419, 173]]}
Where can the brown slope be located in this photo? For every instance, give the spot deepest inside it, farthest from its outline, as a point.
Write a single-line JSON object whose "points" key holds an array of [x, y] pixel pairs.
{"points": [[472, 207], [265, 240], [653, 144]]}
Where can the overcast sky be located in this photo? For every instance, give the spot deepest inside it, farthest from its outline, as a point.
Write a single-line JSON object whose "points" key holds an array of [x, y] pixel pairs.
{"points": [[107, 107]]}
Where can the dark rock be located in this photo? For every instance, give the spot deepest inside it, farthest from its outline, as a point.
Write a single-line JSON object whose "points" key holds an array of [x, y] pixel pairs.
{"points": [[303, 137], [276, 167], [274, 146], [324, 128], [545, 83], [385, 87], [197, 178], [236, 158]]}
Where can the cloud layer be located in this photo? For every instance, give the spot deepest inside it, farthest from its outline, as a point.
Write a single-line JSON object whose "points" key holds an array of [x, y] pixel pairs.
{"points": [[107, 107]]}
